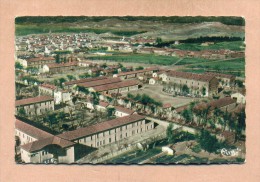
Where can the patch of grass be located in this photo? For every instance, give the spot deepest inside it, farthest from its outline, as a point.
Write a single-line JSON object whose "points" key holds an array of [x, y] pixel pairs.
{"points": [[139, 58], [233, 45]]}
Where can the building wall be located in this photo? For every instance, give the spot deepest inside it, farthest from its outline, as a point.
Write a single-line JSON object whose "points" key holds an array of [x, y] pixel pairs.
{"points": [[69, 158], [120, 114], [46, 91], [24, 138], [116, 134], [37, 108], [239, 97]]}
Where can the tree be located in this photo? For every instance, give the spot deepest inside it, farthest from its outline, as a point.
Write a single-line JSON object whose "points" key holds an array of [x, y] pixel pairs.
{"points": [[18, 66], [71, 77], [208, 142], [169, 133], [32, 70], [187, 115], [61, 81], [139, 68], [185, 89], [111, 111], [241, 123], [158, 40], [21, 112], [203, 91], [57, 58]]}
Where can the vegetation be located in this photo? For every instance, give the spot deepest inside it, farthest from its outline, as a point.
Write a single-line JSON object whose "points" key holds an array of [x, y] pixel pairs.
{"points": [[169, 133], [231, 45], [138, 58], [18, 66], [170, 19], [208, 142]]}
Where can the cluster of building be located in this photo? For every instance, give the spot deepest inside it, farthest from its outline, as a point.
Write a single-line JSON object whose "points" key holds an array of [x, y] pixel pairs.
{"points": [[39, 146]]}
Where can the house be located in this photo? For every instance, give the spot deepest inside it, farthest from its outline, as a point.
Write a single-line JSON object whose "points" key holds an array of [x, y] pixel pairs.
{"points": [[60, 67], [169, 150], [35, 106], [224, 104], [122, 111], [191, 83], [153, 81], [119, 87], [102, 106], [99, 82], [136, 73], [225, 80], [110, 131], [70, 84], [47, 89], [240, 97], [39, 62], [62, 96]]}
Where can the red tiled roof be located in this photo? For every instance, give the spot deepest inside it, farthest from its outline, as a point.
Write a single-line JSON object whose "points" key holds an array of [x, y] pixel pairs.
{"points": [[40, 59], [218, 103], [190, 76], [138, 71], [58, 65], [124, 110], [167, 105], [84, 80], [33, 100], [40, 144], [182, 108], [100, 82], [90, 130], [112, 86], [219, 75], [46, 85], [103, 104], [31, 130]]}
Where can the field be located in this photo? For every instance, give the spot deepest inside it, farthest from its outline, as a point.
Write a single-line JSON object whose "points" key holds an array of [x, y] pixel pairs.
{"points": [[232, 45], [138, 58], [232, 66]]}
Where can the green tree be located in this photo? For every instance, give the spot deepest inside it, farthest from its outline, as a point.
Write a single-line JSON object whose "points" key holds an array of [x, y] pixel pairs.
{"points": [[187, 115], [21, 112], [185, 89], [57, 58], [203, 91], [61, 81], [208, 142], [18, 66], [71, 77], [139, 68], [169, 133], [111, 111]]}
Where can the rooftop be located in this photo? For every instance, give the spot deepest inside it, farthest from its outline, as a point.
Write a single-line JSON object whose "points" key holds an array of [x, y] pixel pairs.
{"points": [[33, 100], [31, 130], [40, 144], [100, 82], [90, 130], [191, 76], [84, 80], [111, 86], [124, 110]]}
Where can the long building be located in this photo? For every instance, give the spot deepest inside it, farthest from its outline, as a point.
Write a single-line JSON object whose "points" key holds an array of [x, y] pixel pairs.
{"points": [[38, 146], [75, 82], [197, 84], [136, 73], [35, 105], [225, 80], [100, 82], [110, 131], [119, 87]]}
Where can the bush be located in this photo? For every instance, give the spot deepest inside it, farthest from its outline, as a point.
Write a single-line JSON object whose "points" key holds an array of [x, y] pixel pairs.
{"points": [[196, 148]]}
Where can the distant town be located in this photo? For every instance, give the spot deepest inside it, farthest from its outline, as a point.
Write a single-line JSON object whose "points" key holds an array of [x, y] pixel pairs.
{"points": [[123, 92]]}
